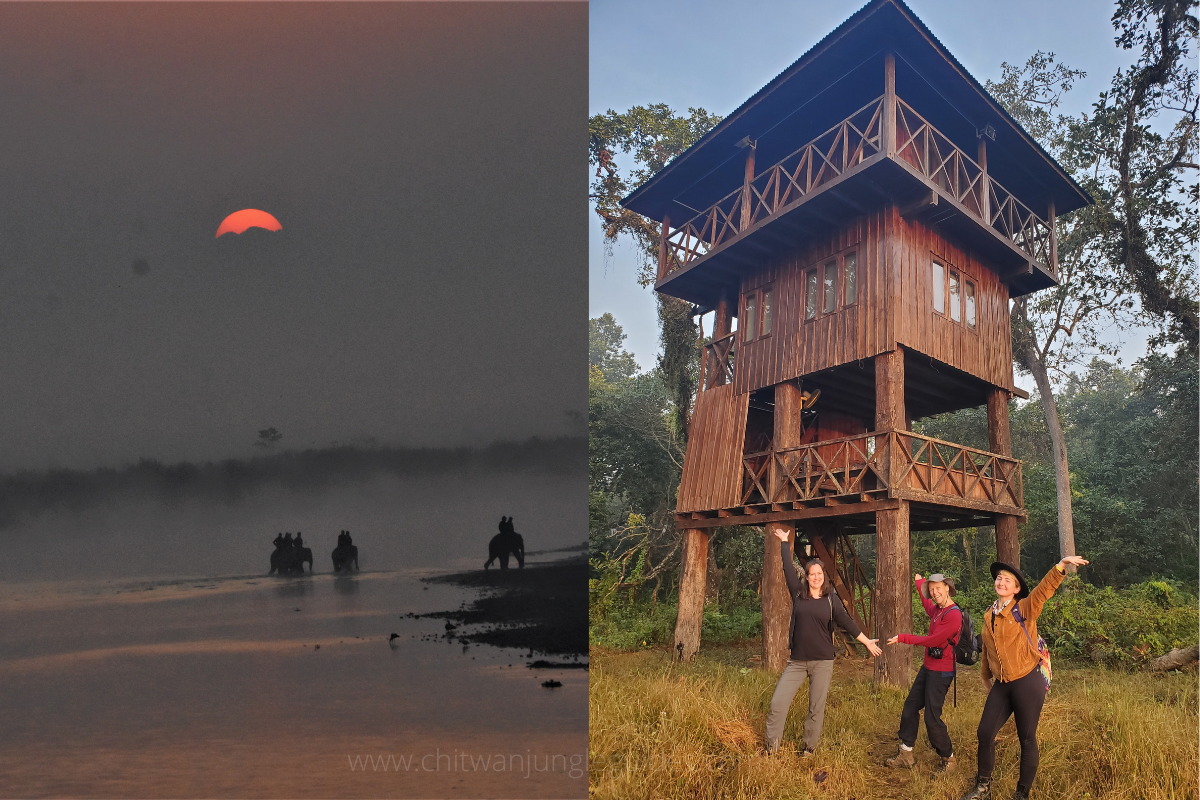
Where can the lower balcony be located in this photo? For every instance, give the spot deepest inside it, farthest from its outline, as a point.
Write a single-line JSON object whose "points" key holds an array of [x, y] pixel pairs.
{"points": [[948, 485]]}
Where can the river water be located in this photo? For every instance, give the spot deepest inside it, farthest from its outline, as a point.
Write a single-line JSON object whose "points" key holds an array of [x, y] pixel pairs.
{"points": [[234, 684]]}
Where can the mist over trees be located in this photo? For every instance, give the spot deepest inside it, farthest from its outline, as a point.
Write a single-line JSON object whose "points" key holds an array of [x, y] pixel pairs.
{"points": [[24, 495]]}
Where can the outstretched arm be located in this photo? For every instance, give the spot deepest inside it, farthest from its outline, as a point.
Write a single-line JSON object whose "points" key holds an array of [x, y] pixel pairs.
{"points": [[1031, 606]]}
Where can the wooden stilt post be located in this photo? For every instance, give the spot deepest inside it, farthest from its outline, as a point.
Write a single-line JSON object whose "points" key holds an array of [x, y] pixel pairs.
{"points": [[1050, 222], [776, 602], [692, 580], [887, 121], [1008, 547], [663, 247], [747, 196], [722, 325], [893, 611], [985, 189]]}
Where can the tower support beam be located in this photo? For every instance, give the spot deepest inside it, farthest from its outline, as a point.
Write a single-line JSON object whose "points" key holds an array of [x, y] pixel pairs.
{"points": [[776, 601], [1008, 547], [893, 610], [692, 577]]}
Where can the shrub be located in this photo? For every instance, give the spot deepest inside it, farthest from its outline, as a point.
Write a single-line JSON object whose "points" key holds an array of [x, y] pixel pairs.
{"points": [[1119, 627]]}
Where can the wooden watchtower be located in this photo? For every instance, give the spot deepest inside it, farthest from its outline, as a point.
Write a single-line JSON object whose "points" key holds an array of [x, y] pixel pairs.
{"points": [[866, 217]]}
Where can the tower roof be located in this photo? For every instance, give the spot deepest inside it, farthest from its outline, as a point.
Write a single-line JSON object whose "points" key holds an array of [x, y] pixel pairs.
{"points": [[841, 73]]}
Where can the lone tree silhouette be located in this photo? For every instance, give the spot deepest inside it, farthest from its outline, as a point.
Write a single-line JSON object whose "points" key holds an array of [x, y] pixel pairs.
{"points": [[268, 438]]}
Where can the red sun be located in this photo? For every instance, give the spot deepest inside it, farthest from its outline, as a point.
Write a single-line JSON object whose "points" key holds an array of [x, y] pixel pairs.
{"points": [[239, 221]]}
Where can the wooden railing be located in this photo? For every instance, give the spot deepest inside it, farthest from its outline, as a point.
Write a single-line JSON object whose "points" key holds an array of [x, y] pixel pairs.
{"points": [[851, 579], [826, 157], [718, 362], [837, 150], [892, 463], [933, 155]]}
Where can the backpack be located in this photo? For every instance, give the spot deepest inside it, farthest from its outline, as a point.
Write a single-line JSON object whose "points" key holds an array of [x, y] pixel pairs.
{"points": [[966, 649], [1043, 652]]}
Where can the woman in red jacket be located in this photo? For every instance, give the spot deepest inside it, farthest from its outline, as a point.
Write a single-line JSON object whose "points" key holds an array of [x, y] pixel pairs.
{"points": [[933, 679]]}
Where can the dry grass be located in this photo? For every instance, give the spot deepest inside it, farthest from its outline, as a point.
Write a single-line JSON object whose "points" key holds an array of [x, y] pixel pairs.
{"points": [[662, 730]]}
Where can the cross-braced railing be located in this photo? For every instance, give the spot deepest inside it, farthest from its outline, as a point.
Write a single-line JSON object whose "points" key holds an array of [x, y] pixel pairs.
{"points": [[719, 362], [933, 155], [849, 143], [845, 145], [772, 191], [859, 593], [893, 462], [936, 467]]}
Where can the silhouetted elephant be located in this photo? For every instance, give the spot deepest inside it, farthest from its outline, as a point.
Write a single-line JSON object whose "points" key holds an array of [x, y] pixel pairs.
{"points": [[501, 545], [291, 560], [343, 555]]}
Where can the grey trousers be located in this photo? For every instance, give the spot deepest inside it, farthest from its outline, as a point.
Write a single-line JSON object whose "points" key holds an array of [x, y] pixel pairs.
{"points": [[819, 674]]}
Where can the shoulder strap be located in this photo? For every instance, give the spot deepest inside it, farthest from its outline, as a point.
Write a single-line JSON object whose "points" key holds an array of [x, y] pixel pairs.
{"points": [[943, 613], [1021, 619]]}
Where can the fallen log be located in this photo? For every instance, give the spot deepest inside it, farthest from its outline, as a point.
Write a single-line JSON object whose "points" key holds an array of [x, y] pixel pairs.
{"points": [[1176, 659]]}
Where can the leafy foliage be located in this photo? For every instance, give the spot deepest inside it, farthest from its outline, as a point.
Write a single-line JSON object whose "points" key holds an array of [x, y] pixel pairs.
{"points": [[1119, 627]]}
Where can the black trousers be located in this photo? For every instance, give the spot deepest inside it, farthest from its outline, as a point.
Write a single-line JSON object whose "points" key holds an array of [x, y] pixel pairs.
{"points": [[928, 692], [1022, 698]]}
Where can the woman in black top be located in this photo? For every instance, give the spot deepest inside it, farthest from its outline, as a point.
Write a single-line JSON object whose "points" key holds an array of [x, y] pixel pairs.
{"points": [[815, 610]]}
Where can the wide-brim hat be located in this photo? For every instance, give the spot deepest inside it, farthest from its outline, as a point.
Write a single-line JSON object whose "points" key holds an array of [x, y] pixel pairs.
{"points": [[940, 578], [1000, 565]]}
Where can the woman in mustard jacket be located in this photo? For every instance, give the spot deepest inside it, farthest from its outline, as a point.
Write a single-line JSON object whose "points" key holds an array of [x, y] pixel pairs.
{"points": [[1010, 671]]}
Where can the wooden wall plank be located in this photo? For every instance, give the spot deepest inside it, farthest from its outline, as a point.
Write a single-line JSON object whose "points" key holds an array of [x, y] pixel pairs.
{"points": [[894, 306]]}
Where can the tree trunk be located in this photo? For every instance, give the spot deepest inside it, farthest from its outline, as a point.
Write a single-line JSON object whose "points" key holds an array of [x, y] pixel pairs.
{"points": [[776, 601], [1008, 547], [893, 553], [893, 595], [691, 594], [1058, 447], [1176, 659]]}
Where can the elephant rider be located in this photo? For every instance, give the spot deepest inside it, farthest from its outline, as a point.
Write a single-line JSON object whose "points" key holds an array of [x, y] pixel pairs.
{"points": [[298, 542], [278, 541], [287, 539]]}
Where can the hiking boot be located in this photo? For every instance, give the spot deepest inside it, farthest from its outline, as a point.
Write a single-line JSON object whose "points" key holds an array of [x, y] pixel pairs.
{"points": [[904, 758], [983, 788], [1021, 793], [944, 765]]}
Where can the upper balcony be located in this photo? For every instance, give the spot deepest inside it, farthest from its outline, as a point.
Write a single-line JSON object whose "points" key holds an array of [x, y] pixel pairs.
{"points": [[883, 152]]}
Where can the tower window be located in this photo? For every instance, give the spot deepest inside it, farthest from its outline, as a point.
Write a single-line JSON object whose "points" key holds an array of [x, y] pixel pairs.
{"points": [[970, 305], [955, 299], [810, 295], [830, 287], [851, 263], [939, 288], [751, 317], [766, 312]]}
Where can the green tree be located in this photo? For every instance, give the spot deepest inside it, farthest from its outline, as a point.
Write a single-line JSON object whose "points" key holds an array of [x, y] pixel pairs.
{"points": [[635, 459], [605, 338], [1138, 171], [650, 136]]}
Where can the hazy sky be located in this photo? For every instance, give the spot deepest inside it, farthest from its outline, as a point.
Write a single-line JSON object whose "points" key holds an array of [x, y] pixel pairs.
{"points": [[424, 160], [704, 53]]}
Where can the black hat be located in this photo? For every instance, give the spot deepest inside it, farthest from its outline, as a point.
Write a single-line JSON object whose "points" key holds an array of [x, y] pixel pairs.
{"points": [[1000, 565]]}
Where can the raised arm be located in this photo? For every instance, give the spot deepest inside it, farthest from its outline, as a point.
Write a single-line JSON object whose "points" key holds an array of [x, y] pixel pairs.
{"points": [[789, 569], [1031, 606]]}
